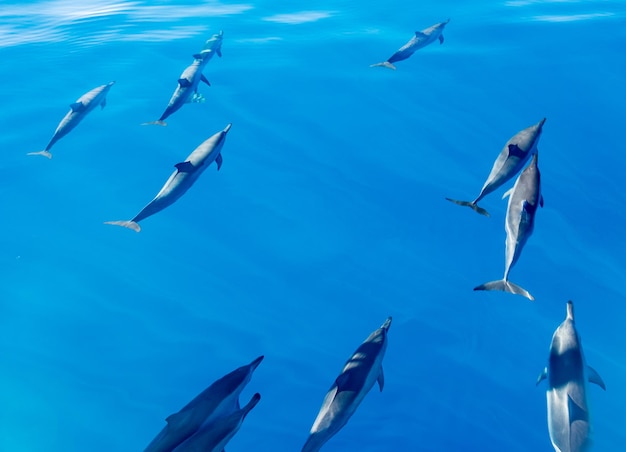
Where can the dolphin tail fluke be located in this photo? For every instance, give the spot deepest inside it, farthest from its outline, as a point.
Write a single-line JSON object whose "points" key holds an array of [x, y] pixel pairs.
{"points": [[127, 224], [471, 204], [44, 153], [505, 286], [386, 64], [158, 122]]}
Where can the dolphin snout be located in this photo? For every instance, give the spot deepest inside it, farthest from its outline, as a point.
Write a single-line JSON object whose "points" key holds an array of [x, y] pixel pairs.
{"points": [[227, 128], [254, 364], [540, 123], [387, 323]]}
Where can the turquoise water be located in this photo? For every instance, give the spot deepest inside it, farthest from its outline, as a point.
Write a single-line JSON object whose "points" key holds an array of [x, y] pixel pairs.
{"points": [[327, 216]]}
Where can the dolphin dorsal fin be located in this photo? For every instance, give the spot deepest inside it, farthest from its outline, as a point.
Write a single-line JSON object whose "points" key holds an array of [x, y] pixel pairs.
{"points": [[594, 377], [341, 381], [516, 151], [542, 376], [77, 106], [419, 34], [440, 39], [381, 379], [219, 52], [204, 79], [576, 412], [185, 167], [184, 82]]}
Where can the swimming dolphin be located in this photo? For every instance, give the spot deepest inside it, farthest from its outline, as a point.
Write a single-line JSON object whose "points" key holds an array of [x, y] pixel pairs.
{"points": [[218, 400], [214, 436], [421, 39], [190, 78], [567, 374], [358, 376], [524, 198], [78, 110], [182, 178], [510, 161]]}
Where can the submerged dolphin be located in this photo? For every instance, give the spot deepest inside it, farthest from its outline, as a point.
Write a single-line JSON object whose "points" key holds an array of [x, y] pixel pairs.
{"points": [[510, 161], [421, 39], [524, 198], [182, 178], [190, 78], [358, 376], [218, 400], [567, 374], [214, 436], [78, 110]]}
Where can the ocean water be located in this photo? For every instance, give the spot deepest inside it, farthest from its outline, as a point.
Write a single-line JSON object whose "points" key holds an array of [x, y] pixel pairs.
{"points": [[327, 216]]}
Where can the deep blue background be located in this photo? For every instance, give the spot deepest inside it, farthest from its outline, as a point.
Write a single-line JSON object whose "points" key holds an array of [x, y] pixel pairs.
{"points": [[328, 215]]}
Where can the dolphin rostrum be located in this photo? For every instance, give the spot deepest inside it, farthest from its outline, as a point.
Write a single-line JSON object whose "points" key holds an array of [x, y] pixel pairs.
{"points": [[215, 402], [419, 40], [524, 198], [190, 78], [78, 110], [510, 161], [358, 376], [567, 374], [182, 178], [214, 436]]}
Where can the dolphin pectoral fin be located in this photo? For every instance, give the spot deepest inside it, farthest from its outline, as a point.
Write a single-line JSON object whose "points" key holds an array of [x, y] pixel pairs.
{"points": [[126, 224], [541, 200], [203, 78], [516, 151], [77, 106], [507, 193], [218, 160], [219, 52], [505, 286], [471, 204], [381, 379], [103, 103], [184, 82], [440, 39], [594, 377], [185, 167], [44, 153], [386, 64], [198, 56], [542, 376]]}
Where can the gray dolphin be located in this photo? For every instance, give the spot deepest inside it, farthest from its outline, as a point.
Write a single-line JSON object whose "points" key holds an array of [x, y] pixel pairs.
{"points": [[218, 400], [182, 178], [78, 110], [190, 78], [510, 161], [214, 436], [419, 40], [524, 198], [358, 376], [567, 374]]}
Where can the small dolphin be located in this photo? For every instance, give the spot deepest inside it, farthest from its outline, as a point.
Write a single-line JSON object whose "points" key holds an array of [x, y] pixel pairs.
{"points": [[190, 78], [524, 198], [510, 161], [420, 40], [182, 178], [358, 376], [567, 374], [78, 110], [218, 400], [214, 436]]}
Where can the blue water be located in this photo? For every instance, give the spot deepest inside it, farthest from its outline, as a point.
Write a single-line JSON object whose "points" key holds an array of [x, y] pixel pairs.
{"points": [[327, 216]]}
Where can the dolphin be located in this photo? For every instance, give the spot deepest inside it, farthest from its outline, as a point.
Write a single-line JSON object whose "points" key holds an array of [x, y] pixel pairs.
{"points": [[78, 110], [214, 436], [510, 161], [182, 178], [567, 374], [218, 400], [419, 40], [524, 198], [190, 79], [358, 376]]}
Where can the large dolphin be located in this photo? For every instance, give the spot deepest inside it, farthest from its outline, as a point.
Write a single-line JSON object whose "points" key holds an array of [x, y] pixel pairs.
{"points": [[182, 178], [567, 374], [214, 436], [510, 161], [218, 400], [419, 40], [524, 198], [78, 110], [190, 78], [358, 376]]}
